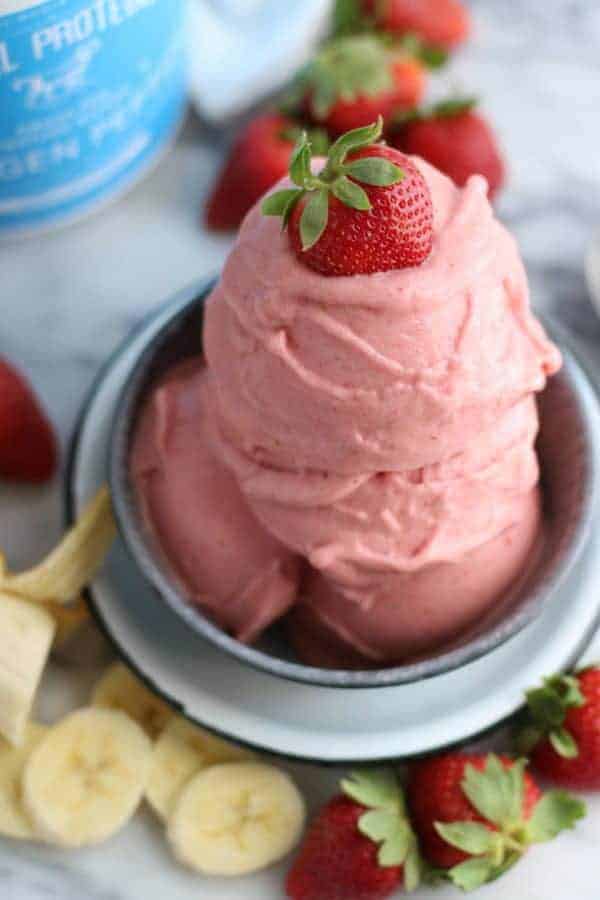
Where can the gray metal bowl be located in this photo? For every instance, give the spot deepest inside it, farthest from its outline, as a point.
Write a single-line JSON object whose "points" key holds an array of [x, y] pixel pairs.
{"points": [[570, 419]]}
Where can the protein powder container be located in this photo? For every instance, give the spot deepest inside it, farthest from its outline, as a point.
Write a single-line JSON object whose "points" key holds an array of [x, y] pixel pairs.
{"points": [[91, 93]]}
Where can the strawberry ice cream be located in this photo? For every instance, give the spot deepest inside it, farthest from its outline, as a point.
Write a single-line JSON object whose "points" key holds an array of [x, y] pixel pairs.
{"points": [[379, 427], [239, 574]]}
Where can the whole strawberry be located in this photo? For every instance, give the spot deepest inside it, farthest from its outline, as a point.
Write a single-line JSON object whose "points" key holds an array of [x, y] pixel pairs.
{"points": [[456, 140], [443, 23], [360, 846], [259, 158], [475, 816], [563, 729], [337, 226], [354, 80], [28, 450]]}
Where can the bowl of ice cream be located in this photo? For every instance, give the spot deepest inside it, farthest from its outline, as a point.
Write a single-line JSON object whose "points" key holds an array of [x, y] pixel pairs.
{"points": [[359, 481]]}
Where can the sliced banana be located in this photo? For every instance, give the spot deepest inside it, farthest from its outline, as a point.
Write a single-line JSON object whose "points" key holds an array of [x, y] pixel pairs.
{"points": [[86, 777], [180, 752], [14, 821], [236, 818], [120, 689], [27, 634]]}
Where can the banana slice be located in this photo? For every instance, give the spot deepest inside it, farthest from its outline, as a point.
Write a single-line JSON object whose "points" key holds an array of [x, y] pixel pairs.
{"points": [[27, 633], [120, 689], [236, 818], [86, 778], [180, 752], [14, 821]]}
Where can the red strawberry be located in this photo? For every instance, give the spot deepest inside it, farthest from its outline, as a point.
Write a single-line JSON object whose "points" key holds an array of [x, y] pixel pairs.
{"points": [[259, 158], [355, 79], [338, 228], [476, 815], [564, 729], [360, 846], [457, 141], [28, 450], [444, 23]]}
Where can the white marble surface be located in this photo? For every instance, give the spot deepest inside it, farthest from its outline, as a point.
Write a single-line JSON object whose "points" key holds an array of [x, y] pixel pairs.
{"points": [[68, 298]]}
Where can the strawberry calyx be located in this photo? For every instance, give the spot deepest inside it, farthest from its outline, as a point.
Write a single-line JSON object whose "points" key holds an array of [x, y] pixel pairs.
{"points": [[338, 177], [444, 109], [385, 821], [547, 707], [497, 794], [344, 69]]}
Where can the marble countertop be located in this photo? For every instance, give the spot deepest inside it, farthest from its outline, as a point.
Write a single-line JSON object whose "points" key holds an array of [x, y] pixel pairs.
{"points": [[68, 298]]}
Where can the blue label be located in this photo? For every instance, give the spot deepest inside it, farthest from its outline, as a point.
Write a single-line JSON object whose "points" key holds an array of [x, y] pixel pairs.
{"points": [[89, 92]]}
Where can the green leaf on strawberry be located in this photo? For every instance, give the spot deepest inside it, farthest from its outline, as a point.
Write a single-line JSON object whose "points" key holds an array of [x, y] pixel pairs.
{"points": [[385, 821], [496, 792], [314, 218], [277, 204], [555, 812], [468, 836], [375, 788], [547, 709], [300, 161], [378, 172], [351, 194], [471, 874]]}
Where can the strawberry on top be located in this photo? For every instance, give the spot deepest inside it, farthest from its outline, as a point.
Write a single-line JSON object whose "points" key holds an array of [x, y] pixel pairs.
{"points": [[367, 210]]}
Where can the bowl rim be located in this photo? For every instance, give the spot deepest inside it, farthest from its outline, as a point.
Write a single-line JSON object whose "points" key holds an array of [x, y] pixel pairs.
{"points": [[156, 572]]}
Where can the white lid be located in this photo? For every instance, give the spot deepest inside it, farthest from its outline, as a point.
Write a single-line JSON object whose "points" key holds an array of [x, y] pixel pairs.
{"points": [[241, 50]]}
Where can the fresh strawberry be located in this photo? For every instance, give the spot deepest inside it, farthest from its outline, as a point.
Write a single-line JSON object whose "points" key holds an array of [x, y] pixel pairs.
{"points": [[354, 80], [443, 23], [259, 158], [360, 846], [455, 139], [337, 227], [28, 450], [475, 815], [563, 729]]}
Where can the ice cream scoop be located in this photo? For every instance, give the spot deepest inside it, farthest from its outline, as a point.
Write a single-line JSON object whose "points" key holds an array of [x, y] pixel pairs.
{"points": [[381, 428], [235, 570], [383, 372]]}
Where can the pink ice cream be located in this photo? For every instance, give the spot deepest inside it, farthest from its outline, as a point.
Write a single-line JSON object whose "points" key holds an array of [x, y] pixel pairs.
{"points": [[230, 566], [380, 427]]}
